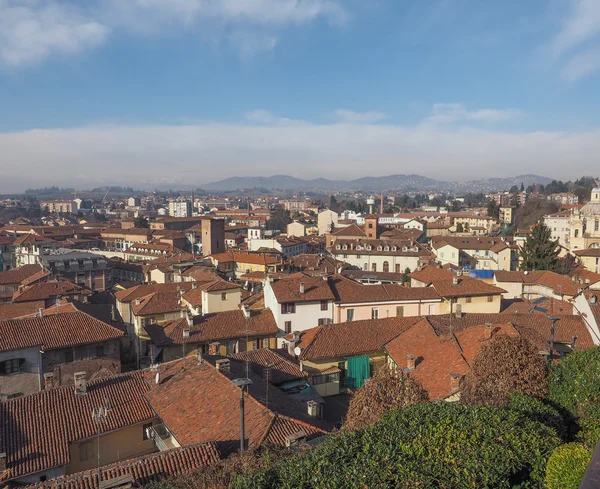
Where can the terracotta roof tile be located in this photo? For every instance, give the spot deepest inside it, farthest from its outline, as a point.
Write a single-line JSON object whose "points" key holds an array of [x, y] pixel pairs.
{"points": [[213, 327], [157, 303], [543, 305], [250, 258], [349, 291], [465, 287], [52, 332], [429, 274], [37, 429], [315, 289], [48, 290], [139, 291], [15, 276], [20, 309], [280, 369], [142, 470]]}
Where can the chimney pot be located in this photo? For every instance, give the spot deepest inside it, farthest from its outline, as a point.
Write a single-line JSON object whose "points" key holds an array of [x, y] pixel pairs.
{"points": [[302, 287], [454, 382], [488, 331], [80, 383], [455, 280], [223, 365], [41, 312], [48, 380], [410, 361]]}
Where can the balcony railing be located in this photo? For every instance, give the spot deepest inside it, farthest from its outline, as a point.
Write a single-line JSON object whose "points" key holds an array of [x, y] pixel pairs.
{"points": [[162, 437]]}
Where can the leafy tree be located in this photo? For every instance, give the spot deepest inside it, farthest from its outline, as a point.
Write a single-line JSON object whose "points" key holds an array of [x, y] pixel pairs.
{"points": [[567, 465], [522, 187], [573, 386], [513, 190], [493, 209], [405, 276], [279, 219], [533, 211], [540, 252], [445, 445], [387, 390], [460, 228], [503, 366], [456, 206], [141, 222]]}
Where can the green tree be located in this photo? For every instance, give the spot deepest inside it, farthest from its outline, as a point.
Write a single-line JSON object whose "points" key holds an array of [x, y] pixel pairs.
{"points": [[279, 219], [513, 190], [493, 209], [540, 252], [460, 228], [141, 222], [567, 465], [504, 365], [406, 276], [522, 187], [385, 391]]}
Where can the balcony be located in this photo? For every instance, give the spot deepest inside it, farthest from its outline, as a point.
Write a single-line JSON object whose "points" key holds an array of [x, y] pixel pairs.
{"points": [[162, 437]]}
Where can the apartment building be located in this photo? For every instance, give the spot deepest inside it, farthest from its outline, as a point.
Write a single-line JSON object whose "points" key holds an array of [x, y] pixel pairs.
{"points": [[475, 253]]}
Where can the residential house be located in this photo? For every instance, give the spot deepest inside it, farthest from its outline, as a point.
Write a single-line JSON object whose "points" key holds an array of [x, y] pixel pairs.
{"points": [[532, 285], [223, 333], [121, 270], [287, 246], [86, 269], [589, 258], [327, 220], [122, 239], [381, 255], [50, 292], [212, 297], [43, 352], [560, 227], [355, 301], [475, 253], [12, 279], [299, 304], [236, 264], [56, 432], [30, 247], [468, 295]]}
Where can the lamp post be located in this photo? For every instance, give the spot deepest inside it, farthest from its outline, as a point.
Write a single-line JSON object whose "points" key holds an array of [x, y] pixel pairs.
{"points": [[242, 383]]}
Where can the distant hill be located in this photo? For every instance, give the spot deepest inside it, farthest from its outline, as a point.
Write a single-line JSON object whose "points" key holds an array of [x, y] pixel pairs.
{"points": [[400, 182]]}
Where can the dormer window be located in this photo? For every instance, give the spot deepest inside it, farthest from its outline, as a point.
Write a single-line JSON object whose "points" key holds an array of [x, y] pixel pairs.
{"points": [[369, 248], [345, 247], [394, 248], [338, 247], [387, 248], [379, 248], [358, 247]]}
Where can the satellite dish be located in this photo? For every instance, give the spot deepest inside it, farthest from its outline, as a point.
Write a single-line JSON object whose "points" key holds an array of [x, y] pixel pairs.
{"points": [[297, 351]]}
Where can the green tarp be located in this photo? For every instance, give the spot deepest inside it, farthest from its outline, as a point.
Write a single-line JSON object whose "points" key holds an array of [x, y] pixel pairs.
{"points": [[359, 369]]}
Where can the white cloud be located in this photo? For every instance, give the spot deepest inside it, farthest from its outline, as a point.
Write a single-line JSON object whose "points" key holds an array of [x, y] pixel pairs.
{"points": [[349, 116], [582, 25], [30, 30], [582, 64], [182, 155], [444, 113], [264, 117]]}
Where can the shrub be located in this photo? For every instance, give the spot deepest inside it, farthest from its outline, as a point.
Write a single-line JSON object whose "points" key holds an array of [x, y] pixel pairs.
{"points": [[566, 466], [385, 391], [538, 410], [505, 365], [442, 444]]}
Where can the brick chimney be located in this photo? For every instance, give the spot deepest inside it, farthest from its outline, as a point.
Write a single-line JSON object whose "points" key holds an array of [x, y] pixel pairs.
{"points": [[410, 361], [488, 331], [48, 380], [454, 382]]}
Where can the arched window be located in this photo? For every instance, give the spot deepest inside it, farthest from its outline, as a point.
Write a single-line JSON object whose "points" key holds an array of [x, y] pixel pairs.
{"points": [[577, 233], [386, 266]]}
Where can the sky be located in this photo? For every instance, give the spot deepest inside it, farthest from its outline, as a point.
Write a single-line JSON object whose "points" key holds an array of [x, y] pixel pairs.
{"points": [[184, 92]]}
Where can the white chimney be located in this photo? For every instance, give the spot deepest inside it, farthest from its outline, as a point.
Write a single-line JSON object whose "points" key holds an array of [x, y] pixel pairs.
{"points": [[41, 312], [455, 280], [302, 287], [223, 365], [246, 311], [80, 383]]}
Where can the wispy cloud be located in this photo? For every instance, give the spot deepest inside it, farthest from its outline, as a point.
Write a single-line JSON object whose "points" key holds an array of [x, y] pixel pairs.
{"points": [[577, 46], [446, 113], [266, 144], [31, 30], [349, 116]]}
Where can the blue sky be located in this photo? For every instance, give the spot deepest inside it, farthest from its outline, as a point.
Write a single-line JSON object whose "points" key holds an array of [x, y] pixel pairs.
{"points": [[149, 92]]}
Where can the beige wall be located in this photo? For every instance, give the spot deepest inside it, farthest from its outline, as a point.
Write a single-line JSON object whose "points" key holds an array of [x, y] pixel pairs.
{"points": [[213, 302], [114, 446], [386, 310], [477, 304], [591, 263]]}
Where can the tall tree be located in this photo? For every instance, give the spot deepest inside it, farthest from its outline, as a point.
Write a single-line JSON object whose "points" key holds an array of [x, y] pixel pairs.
{"points": [[540, 252], [141, 222], [279, 219], [522, 186], [493, 209]]}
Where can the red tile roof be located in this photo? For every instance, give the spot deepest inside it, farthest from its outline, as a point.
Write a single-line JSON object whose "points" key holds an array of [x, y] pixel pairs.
{"points": [[36, 430], [429, 274], [157, 303], [543, 305], [52, 332], [315, 289], [213, 327], [143, 470], [20, 309], [352, 338], [349, 291], [560, 284], [139, 291], [280, 369], [200, 404], [48, 290], [16, 276], [465, 287], [472, 338], [250, 258], [470, 243]]}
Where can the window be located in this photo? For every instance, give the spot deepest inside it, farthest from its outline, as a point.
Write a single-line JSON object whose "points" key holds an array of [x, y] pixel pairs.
{"points": [[596, 225], [374, 313], [370, 225], [324, 379], [288, 327], [365, 267], [398, 268], [468, 300], [85, 451], [490, 298], [145, 429], [12, 366], [349, 314], [386, 266], [324, 305], [253, 345], [577, 233], [323, 321], [100, 350], [373, 267], [263, 342], [345, 255], [358, 257], [224, 296], [400, 311], [288, 308]]}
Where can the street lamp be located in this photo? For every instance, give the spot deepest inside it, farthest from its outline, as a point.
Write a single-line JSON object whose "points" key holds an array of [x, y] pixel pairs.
{"points": [[242, 383]]}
